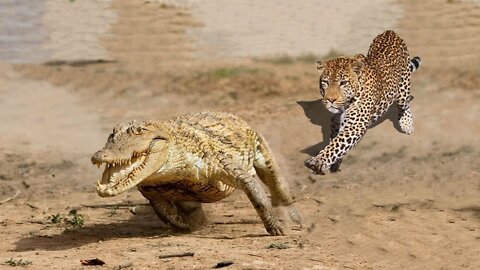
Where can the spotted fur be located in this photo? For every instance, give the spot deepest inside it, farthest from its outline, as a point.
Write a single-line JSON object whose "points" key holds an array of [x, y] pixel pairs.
{"points": [[358, 90]]}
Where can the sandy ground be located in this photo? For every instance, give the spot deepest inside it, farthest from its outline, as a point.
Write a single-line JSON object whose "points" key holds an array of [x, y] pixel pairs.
{"points": [[400, 202]]}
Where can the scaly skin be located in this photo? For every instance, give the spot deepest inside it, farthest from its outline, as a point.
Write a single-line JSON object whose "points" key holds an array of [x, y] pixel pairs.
{"points": [[196, 158]]}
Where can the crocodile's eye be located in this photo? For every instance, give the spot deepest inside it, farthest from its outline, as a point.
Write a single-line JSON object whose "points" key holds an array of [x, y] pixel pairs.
{"points": [[138, 130], [343, 82], [323, 83], [159, 138]]}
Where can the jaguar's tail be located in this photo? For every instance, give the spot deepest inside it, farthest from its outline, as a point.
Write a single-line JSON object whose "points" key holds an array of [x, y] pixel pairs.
{"points": [[415, 63]]}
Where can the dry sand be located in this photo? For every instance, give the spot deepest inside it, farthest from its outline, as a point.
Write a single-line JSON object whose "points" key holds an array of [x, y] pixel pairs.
{"points": [[400, 202]]}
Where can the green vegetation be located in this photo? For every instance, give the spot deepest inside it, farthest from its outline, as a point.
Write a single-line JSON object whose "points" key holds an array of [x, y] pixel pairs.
{"points": [[74, 219], [222, 73], [305, 58], [331, 54], [280, 60], [54, 219]]}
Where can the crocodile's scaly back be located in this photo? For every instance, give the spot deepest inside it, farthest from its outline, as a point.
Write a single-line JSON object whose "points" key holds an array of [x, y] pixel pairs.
{"points": [[216, 132]]}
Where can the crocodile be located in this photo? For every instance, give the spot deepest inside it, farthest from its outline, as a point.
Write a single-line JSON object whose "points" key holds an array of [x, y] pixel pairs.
{"points": [[197, 158]]}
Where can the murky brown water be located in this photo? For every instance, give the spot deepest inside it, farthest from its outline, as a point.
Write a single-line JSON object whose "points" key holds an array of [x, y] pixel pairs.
{"points": [[44, 30], [22, 33]]}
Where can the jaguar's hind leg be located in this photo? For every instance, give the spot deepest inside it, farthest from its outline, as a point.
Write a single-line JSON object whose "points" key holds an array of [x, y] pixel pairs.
{"points": [[405, 120], [405, 116]]}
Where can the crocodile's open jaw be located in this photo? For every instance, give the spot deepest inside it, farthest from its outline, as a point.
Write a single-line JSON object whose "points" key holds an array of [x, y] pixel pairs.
{"points": [[122, 175], [133, 152]]}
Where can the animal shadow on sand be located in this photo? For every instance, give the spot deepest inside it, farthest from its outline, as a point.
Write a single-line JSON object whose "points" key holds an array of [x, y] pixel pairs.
{"points": [[318, 115], [72, 238], [140, 226]]}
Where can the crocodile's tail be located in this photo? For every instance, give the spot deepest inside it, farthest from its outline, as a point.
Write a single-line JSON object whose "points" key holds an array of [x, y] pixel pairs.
{"points": [[415, 63]]}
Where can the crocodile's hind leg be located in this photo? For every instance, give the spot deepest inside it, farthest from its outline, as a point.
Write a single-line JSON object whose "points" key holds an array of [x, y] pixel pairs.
{"points": [[181, 215], [268, 171], [237, 177], [178, 214], [193, 211], [170, 213]]}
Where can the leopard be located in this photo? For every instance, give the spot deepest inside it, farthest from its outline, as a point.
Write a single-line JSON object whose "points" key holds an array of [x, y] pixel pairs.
{"points": [[358, 90]]}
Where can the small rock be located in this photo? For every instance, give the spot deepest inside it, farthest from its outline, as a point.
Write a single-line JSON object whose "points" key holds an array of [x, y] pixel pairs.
{"points": [[223, 264], [94, 261], [123, 266], [277, 246]]}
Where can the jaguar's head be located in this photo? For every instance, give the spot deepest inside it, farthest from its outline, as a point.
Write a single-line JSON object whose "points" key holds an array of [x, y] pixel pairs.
{"points": [[339, 81]]}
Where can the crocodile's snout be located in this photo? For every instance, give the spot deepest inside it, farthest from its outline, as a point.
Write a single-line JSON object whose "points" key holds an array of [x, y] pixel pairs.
{"points": [[99, 157]]}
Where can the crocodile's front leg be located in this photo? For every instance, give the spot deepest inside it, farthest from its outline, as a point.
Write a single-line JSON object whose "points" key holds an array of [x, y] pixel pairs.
{"points": [[356, 125], [239, 178]]}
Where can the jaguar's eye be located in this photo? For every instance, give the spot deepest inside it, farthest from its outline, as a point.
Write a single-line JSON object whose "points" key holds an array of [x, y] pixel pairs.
{"points": [[343, 82], [324, 83]]}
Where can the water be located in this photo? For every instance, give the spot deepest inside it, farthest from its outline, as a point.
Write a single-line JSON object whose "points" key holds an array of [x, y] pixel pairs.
{"points": [[46, 30], [22, 33]]}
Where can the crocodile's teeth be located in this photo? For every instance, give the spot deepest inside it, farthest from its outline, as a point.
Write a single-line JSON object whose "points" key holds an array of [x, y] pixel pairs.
{"points": [[98, 165], [101, 186]]}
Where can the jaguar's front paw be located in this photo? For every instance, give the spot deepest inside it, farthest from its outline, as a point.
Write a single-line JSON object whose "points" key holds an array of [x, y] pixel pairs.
{"points": [[335, 166], [317, 165]]}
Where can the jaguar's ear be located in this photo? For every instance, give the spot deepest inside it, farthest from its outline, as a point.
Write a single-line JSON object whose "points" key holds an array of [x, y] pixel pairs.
{"points": [[358, 63], [320, 66]]}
